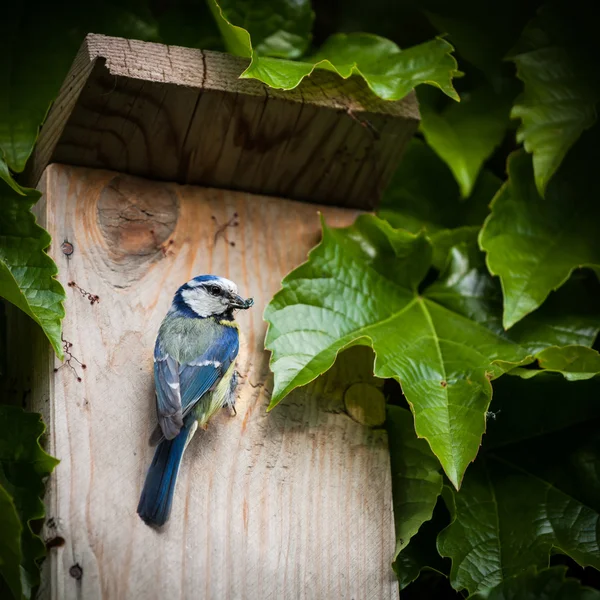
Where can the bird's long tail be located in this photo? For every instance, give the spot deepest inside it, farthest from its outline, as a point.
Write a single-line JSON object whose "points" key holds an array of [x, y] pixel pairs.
{"points": [[159, 487]]}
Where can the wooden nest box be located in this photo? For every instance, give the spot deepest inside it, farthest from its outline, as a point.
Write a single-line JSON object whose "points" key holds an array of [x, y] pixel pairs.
{"points": [[157, 164]]}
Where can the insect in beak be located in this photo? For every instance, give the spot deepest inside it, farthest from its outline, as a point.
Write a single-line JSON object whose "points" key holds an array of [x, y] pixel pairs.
{"points": [[239, 302]]}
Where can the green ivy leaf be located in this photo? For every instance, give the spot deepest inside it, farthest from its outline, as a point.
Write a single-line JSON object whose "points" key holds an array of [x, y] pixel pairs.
{"points": [[574, 362], [506, 519], [10, 545], [533, 244], [27, 273], [391, 73], [535, 493], [416, 477], [570, 316], [23, 466], [423, 196], [360, 287], [558, 67], [421, 553], [465, 135], [548, 584], [8, 178]]}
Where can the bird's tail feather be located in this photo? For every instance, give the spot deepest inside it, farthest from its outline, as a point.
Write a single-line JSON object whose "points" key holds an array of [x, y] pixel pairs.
{"points": [[157, 496]]}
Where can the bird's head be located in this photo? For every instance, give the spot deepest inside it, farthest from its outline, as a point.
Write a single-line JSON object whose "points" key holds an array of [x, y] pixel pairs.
{"points": [[208, 296]]}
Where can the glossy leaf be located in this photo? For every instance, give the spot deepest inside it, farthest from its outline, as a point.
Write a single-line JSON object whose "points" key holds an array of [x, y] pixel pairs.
{"points": [[27, 273], [421, 553], [465, 135], [506, 519], [6, 175], [535, 492], [444, 345], [533, 244], [558, 67], [23, 466], [570, 316], [424, 196], [391, 73], [574, 362], [548, 584], [416, 477]]}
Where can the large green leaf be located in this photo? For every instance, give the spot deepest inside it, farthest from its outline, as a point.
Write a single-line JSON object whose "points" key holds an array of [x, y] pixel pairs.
{"points": [[391, 73], [575, 362], [360, 287], [10, 545], [535, 493], [548, 584], [27, 273], [423, 196], [558, 65], [506, 519], [535, 243], [570, 316], [23, 466], [416, 477], [6, 175], [464, 135], [421, 554]]}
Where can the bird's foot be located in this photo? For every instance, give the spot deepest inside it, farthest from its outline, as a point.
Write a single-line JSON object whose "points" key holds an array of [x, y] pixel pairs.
{"points": [[232, 411]]}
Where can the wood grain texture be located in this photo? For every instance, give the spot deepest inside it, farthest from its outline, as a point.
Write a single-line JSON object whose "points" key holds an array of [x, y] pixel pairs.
{"points": [[179, 114], [292, 504]]}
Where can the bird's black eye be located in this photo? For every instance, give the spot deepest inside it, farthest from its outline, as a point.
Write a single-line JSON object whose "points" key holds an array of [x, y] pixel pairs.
{"points": [[215, 290]]}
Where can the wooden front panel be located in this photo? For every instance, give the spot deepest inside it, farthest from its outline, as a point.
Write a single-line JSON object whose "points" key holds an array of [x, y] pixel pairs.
{"points": [[294, 504]]}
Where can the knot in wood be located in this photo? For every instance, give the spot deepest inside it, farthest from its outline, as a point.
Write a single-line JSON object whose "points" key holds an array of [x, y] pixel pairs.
{"points": [[365, 404], [136, 217]]}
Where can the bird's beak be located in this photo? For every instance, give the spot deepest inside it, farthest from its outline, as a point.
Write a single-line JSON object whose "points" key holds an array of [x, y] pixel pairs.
{"points": [[238, 302]]}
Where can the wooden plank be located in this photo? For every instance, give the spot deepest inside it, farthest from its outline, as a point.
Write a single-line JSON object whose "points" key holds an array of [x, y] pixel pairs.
{"points": [[179, 114], [292, 504]]}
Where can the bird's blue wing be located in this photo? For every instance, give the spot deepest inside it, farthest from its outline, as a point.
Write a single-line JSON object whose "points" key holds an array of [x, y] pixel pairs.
{"points": [[180, 386], [200, 375], [168, 395]]}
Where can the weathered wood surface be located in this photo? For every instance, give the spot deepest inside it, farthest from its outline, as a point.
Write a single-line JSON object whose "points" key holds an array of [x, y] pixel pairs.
{"points": [[292, 504], [179, 114]]}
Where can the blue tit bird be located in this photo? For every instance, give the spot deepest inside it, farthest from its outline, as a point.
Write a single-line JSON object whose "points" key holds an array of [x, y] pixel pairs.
{"points": [[194, 377]]}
